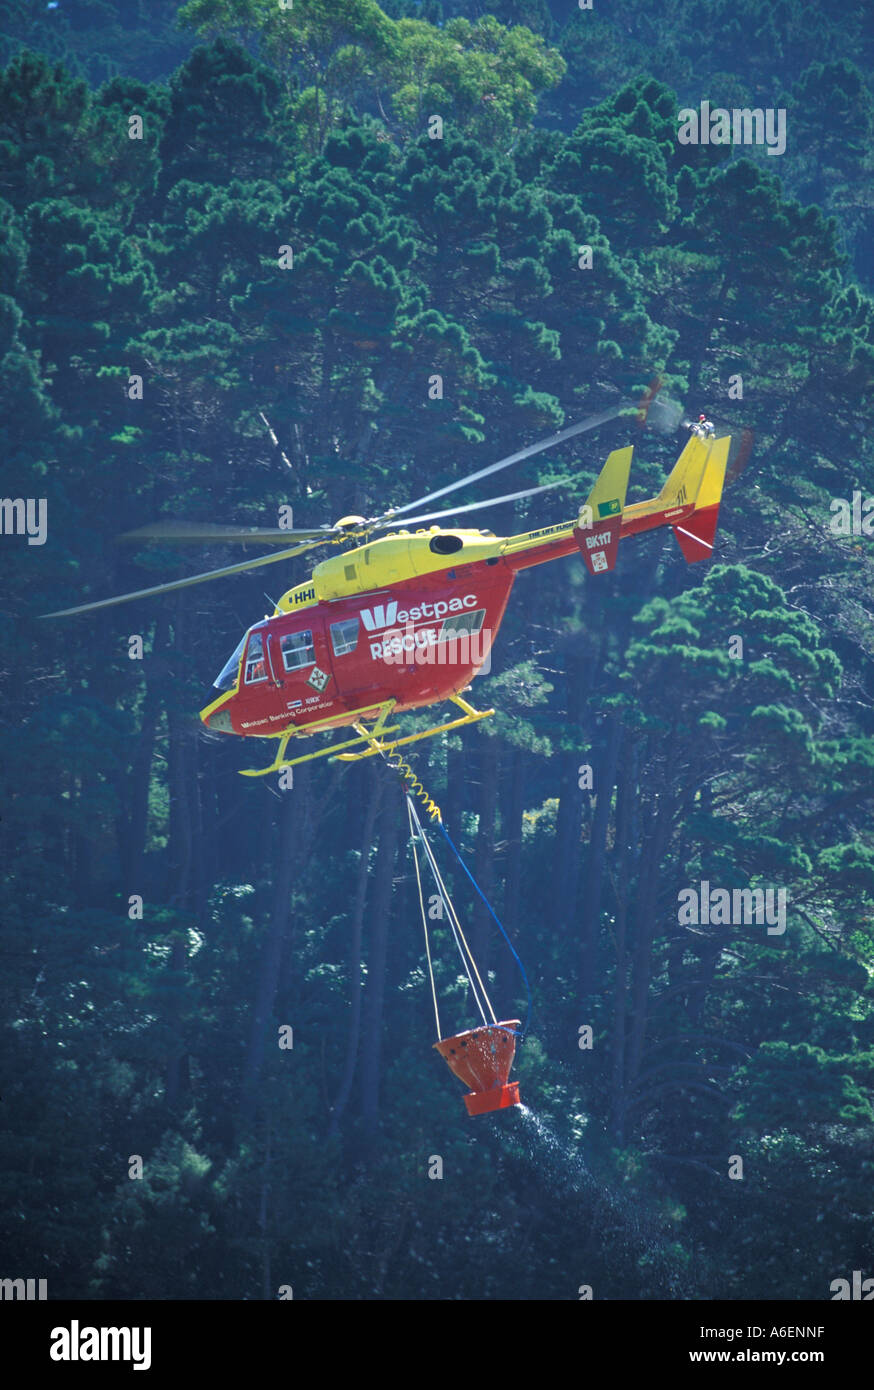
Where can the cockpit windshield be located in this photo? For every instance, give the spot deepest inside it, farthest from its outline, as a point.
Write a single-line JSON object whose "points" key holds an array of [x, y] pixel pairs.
{"points": [[227, 676]]}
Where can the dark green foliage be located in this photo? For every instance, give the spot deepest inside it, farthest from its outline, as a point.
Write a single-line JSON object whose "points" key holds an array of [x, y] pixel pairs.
{"points": [[748, 767]]}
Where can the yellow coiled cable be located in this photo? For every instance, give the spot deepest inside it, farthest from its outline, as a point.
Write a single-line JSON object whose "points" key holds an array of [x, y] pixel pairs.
{"points": [[408, 775]]}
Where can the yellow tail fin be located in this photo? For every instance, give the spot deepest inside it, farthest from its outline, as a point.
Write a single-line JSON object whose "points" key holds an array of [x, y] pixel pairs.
{"points": [[695, 535], [600, 519], [607, 497], [682, 483]]}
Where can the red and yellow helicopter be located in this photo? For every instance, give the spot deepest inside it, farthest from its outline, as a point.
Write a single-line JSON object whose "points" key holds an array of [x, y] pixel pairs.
{"points": [[406, 619]]}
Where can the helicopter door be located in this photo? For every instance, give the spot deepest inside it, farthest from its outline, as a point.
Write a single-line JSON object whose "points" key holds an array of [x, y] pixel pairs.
{"points": [[301, 664]]}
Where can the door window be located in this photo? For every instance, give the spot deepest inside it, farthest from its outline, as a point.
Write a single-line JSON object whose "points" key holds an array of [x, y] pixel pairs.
{"points": [[461, 625], [297, 650], [344, 636]]}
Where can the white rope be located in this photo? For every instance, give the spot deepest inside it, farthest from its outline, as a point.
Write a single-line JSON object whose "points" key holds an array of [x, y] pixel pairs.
{"points": [[454, 924], [457, 931], [424, 918]]}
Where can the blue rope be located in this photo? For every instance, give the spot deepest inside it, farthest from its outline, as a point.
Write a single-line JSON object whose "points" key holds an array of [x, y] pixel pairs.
{"points": [[497, 923]]}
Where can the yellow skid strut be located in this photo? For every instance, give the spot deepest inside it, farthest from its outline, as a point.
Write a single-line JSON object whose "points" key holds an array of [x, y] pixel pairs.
{"points": [[407, 774], [384, 710], [374, 736]]}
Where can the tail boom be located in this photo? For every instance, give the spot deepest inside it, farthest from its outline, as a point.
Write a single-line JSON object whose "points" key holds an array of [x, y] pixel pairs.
{"points": [[688, 503]]}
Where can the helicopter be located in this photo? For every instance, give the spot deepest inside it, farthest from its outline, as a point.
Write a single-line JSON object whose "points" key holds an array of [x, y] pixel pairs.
{"points": [[406, 619]]}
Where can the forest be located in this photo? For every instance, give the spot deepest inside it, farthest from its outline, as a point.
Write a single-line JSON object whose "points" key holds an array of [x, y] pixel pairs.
{"points": [[699, 1096]]}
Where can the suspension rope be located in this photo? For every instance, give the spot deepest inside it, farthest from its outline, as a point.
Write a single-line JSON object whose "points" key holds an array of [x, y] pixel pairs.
{"points": [[424, 918], [413, 787], [496, 921], [464, 951]]}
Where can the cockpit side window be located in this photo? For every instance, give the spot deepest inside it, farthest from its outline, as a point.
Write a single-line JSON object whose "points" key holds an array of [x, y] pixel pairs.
{"points": [[255, 668]]}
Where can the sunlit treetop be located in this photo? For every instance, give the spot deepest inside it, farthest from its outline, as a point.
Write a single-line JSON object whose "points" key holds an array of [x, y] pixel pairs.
{"points": [[479, 77]]}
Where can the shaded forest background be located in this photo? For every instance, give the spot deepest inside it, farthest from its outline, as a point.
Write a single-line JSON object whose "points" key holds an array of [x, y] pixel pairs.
{"points": [[157, 1037]]}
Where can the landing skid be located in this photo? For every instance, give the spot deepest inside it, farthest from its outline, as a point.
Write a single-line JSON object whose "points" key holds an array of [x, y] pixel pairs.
{"points": [[375, 737], [279, 762]]}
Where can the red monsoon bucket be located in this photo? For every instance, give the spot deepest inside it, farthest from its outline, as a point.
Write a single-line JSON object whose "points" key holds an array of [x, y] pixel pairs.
{"points": [[482, 1059]]}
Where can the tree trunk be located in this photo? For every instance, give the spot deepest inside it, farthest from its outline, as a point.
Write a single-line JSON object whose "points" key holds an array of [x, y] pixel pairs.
{"points": [[647, 885], [457, 766], [698, 360], [264, 1219], [625, 790], [180, 850], [373, 788], [374, 994], [595, 867], [509, 981], [271, 958], [484, 857], [133, 828], [566, 858]]}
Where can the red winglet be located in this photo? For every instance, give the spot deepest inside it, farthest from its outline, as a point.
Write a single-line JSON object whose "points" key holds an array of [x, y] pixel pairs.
{"points": [[696, 534]]}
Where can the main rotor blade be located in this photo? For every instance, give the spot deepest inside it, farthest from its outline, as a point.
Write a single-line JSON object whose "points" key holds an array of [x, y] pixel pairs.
{"points": [[554, 439], [192, 579], [184, 531], [476, 506], [273, 436]]}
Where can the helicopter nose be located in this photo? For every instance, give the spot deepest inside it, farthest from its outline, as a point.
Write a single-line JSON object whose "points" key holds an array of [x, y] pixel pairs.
{"points": [[218, 722]]}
